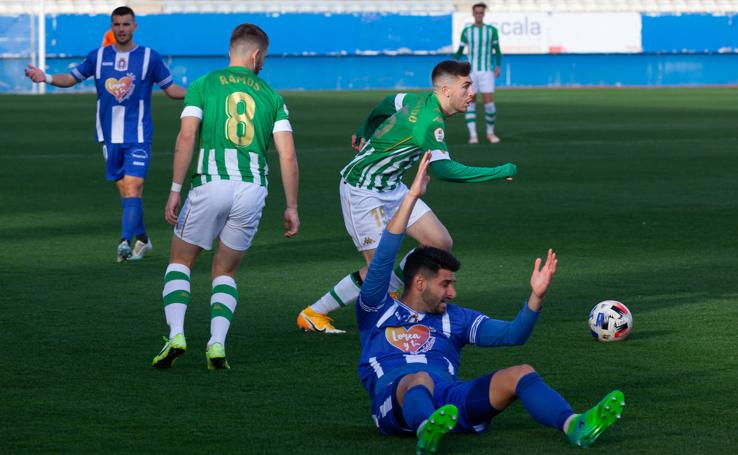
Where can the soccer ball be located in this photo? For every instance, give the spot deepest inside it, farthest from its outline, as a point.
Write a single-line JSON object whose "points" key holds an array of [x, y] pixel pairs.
{"points": [[610, 321]]}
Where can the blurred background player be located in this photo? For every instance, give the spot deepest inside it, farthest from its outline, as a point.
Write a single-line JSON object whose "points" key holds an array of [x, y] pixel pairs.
{"points": [[236, 114], [124, 76], [483, 42], [411, 349], [399, 130]]}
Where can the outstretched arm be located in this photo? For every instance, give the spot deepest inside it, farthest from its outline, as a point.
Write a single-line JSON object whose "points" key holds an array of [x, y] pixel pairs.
{"points": [[453, 171], [374, 290], [175, 91], [540, 279], [37, 75], [183, 150], [285, 146]]}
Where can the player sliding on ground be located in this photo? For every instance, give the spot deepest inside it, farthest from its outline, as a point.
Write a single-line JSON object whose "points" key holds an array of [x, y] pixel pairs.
{"points": [[236, 114], [399, 130], [411, 348]]}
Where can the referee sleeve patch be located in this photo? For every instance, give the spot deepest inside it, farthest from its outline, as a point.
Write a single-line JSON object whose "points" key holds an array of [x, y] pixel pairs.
{"points": [[191, 111], [281, 125]]}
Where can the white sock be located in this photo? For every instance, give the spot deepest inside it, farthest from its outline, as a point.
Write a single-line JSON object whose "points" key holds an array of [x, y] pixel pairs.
{"points": [[342, 294], [176, 295], [223, 301], [490, 117], [470, 117]]}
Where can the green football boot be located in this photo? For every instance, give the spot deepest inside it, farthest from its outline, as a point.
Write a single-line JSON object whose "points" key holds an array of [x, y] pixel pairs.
{"points": [[216, 357], [432, 430], [174, 347], [586, 428]]}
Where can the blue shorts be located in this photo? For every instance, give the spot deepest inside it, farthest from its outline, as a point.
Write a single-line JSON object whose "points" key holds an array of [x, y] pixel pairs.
{"points": [[126, 159], [387, 413]]}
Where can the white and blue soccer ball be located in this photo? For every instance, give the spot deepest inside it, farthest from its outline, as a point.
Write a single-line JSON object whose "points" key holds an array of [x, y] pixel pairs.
{"points": [[610, 321]]}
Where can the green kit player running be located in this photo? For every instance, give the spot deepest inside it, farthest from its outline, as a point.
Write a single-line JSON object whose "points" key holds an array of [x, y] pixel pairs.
{"points": [[397, 132], [236, 114], [485, 58]]}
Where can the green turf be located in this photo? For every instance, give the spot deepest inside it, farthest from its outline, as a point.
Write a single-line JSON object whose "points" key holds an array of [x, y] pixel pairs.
{"points": [[635, 189]]}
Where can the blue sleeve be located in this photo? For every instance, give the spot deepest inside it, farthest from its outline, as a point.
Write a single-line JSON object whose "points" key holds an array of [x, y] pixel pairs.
{"points": [[374, 290], [493, 332], [159, 71], [86, 68]]}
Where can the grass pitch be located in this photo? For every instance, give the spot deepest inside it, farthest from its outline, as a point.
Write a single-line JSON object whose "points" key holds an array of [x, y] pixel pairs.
{"points": [[635, 189]]}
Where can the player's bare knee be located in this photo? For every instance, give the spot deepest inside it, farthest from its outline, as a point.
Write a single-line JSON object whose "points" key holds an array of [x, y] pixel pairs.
{"points": [[420, 378], [522, 370]]}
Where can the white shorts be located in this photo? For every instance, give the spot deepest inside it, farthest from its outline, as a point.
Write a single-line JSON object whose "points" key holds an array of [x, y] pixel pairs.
{"points": [[366, 213], [227, 209], [483, 81]]}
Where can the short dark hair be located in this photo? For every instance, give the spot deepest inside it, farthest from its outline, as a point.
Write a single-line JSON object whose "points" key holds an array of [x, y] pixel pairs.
{"points": [[250, 33], [450, 68], [122, 11], [428, 259], [479, 5]]}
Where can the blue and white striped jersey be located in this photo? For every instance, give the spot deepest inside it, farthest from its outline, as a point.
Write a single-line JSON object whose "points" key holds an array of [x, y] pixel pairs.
{"points": [[123, 81], [396, 340]]}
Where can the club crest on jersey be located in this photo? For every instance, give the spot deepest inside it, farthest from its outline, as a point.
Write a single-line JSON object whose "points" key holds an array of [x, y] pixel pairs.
{"points": [[413, 340], [121, 88], [439, 134], [121, 64]]}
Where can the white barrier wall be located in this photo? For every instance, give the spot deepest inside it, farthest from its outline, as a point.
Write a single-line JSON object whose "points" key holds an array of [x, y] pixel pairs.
{"points": [[544, 33]]}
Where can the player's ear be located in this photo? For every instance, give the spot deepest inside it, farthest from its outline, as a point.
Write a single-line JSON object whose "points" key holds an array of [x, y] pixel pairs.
{"points": [[419, 282]]}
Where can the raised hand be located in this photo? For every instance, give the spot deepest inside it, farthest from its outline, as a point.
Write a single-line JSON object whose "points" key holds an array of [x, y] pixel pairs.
{"points": [[542, 276], [420, 183]]}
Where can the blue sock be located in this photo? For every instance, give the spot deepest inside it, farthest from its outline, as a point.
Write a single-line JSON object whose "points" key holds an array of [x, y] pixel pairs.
{"points": [[132, 216], [140, 230], [542, 402], [417, 406]]}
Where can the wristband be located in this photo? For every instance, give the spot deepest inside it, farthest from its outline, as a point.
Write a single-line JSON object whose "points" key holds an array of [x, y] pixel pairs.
{"points": [[176, 187], [49, 79]]}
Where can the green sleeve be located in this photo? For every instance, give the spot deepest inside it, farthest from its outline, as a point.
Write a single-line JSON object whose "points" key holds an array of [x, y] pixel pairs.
{"points": [[496, 47], [453, 171], [282, 112], [194, 97], [380, 113]]}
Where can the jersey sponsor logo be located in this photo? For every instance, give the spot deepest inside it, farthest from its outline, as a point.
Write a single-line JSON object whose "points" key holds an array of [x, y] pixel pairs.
{"points": [[121, 88], [413, 340], [439, 134]]}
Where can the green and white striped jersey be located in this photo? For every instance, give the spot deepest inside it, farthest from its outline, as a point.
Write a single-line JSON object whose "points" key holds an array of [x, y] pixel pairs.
{"points": [[239, 113], [482, 41], [417, 126]]}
